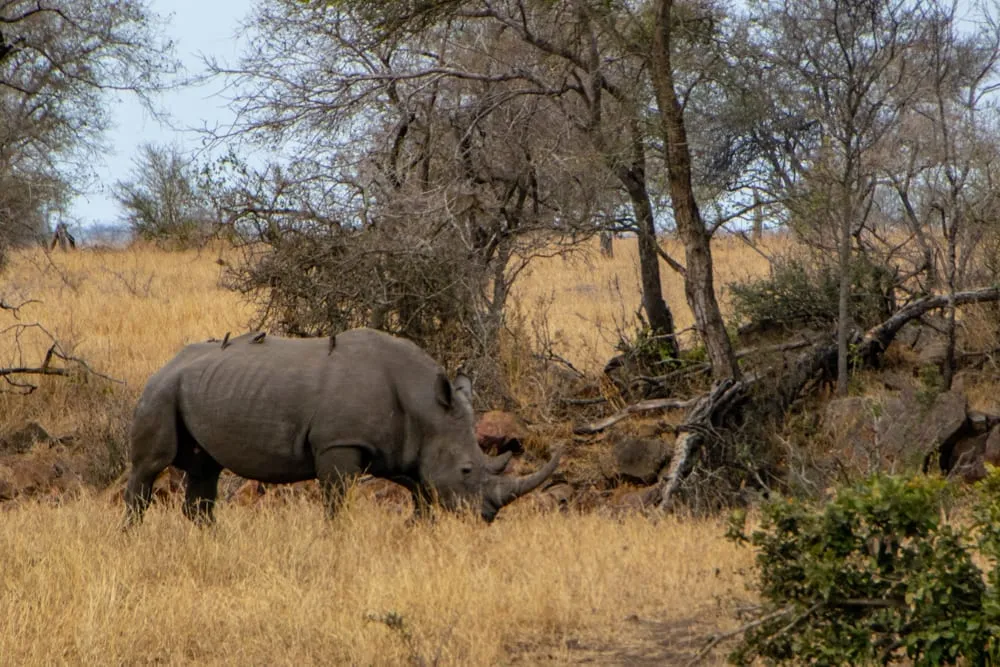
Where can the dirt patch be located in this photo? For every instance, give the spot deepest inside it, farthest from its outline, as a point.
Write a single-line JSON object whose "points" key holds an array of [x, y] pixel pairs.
{"points": [[639, 641]]}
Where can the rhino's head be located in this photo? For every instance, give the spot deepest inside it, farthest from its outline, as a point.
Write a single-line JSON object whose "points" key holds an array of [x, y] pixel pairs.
{"points": [[456, 470]]}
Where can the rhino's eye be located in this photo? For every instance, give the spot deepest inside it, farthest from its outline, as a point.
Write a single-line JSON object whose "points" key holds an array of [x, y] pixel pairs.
{"points": [[467, 469]]}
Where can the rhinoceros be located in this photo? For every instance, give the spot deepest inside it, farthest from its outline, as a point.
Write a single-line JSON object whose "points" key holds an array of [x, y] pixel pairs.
{"points": [[283, 410]]}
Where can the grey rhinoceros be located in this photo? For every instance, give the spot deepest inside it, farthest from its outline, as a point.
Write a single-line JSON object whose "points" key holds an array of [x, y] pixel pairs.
{"points": [[283, 410]]}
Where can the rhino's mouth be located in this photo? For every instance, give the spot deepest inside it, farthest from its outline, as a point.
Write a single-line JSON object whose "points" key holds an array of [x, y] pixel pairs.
{"points": [[489, 511]]}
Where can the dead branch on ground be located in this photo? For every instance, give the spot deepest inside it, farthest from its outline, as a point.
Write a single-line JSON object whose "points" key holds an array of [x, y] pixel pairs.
{"points": [[635, 408], [727, 401], [56, 361]]}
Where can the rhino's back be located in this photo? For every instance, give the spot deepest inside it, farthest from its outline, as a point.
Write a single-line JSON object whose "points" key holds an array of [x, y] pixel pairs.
{"points": [[249, 406], [256, 407]]}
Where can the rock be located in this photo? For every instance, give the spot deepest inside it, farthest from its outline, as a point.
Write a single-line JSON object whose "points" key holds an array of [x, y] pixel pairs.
{"points": [[554, 497], [652, 429], [965, 459], [23, 439], [640, 459], [851, 419], [44, 471], [168, 485], [630, 500], [248, 494], [908, 433], [898, 381], [982, 422], [384, 492], [991, 450], [933, 354], [966, 379], [498, 432]]}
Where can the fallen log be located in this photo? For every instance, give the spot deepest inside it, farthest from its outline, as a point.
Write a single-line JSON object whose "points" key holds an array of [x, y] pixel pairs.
{"points": [[722, 407], [641, 406]]}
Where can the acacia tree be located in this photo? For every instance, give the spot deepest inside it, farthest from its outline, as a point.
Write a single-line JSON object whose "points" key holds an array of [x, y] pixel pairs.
{"points": [[844, 65], [430, 166], [58, 59], [941, 159]]}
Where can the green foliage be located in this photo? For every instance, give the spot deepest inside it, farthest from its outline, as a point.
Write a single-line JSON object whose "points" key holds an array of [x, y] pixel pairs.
{"points": [[648, 348], [799, 293], [876, 575]]}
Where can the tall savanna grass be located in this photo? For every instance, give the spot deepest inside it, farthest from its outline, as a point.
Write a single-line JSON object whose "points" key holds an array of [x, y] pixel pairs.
{"points": [[282, 585]]}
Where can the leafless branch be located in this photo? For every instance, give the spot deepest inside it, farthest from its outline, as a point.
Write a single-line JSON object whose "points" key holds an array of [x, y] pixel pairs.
{"points": [[56, 361]]}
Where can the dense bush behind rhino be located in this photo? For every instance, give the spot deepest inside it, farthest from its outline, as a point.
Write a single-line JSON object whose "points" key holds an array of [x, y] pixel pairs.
{"points": [[285, 410]]}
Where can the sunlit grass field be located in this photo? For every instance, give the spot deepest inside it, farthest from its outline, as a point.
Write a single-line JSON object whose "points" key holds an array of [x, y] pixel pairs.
{"points": [[282, 585], [285, 586]]}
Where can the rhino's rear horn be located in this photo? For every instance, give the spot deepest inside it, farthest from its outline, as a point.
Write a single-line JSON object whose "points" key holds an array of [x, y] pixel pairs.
{"points": [[496, 464], [509, 489]]}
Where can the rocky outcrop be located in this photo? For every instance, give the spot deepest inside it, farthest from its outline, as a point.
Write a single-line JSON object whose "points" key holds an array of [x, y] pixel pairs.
{"points": [[499, 432], [640, 460]]}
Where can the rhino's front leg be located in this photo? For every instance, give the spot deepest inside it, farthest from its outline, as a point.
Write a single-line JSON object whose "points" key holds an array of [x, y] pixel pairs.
{"points": [[336, 468], [423, 509], [200, 494]]}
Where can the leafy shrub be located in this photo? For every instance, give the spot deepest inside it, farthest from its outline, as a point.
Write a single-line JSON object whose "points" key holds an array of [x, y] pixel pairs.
{"points": [[797, 294], [875, 576]]}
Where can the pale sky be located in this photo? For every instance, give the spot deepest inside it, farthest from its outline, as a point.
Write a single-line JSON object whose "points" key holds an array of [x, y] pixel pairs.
{"points": [[197, 27]]}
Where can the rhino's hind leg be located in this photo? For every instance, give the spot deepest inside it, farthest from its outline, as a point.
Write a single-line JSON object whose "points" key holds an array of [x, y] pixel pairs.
{"points": [[153, 446], [336, 468]]}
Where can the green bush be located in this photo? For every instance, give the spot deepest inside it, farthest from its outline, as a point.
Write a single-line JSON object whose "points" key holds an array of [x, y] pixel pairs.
{"points": [[877, 575], [798, 293]]}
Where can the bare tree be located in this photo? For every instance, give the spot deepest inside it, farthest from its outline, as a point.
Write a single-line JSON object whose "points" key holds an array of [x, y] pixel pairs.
{"points": [[846, 66], [495, 77], [698, 278], [58, 59], [941, 161], [428, 171], [162, 201]]}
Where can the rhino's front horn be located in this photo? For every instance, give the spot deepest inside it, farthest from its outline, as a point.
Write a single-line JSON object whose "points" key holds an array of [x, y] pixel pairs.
{"points": [[509, 489]]}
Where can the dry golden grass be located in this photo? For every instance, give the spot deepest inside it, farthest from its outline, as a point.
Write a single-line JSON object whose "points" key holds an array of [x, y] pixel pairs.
{"points": [[585, 300], [282, 585], [125, 311]]}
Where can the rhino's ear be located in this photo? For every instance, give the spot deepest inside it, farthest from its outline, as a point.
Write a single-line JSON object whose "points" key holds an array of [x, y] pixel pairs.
{"points": [[443, 391], [463, 385]]}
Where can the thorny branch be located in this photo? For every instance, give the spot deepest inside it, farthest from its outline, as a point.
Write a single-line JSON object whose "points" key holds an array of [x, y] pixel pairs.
{"points": [[57, 361]]}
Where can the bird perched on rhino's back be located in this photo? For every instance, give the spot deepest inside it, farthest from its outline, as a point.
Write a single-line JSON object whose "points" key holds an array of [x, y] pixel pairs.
{"points": [[284, 410]]}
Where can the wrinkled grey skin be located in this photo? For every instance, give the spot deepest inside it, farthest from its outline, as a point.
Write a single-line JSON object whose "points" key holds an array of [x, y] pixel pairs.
{"points": [[286, 410]]}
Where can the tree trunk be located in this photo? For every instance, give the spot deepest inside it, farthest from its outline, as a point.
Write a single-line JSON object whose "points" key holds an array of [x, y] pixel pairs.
{"points": [[607, 245], [844, 301], [661, 320], [758, 218], [698, 281], [633, 177]]}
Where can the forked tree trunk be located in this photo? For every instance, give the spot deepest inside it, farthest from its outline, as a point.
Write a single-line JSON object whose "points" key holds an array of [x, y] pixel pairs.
{"points": [[699, 285], [661, 320]]}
